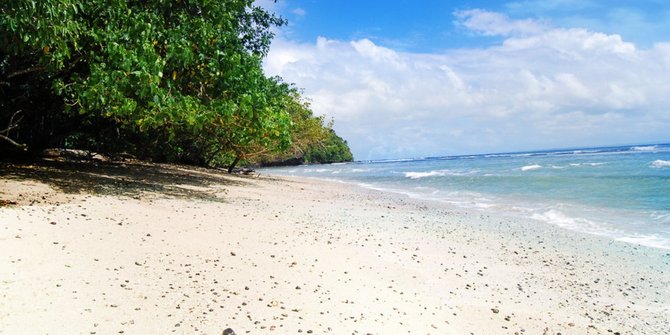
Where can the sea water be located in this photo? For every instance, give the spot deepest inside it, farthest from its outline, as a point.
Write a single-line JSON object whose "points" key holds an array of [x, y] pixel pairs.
{"points": [[621, 192]]}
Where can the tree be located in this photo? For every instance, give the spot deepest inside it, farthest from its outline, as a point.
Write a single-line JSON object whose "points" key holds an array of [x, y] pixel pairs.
{"points": [[306, 130], [312, 141], [170, 80], [333, 150]]}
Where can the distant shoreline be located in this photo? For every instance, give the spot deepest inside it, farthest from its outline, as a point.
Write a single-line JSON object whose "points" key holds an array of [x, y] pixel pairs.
{"points": [[152, 248]]}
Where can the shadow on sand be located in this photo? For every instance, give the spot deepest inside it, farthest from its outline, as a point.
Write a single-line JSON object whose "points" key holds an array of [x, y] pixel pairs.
{"points": [[124, 179]]}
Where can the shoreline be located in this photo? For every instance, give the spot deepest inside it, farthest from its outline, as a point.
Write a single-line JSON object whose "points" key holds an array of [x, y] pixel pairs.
{"points": [[519, 209], [196, 251]]}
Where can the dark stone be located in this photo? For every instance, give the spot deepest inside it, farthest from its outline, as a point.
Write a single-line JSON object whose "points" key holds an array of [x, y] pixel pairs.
{"points": [[228, 331], [293, 161]]}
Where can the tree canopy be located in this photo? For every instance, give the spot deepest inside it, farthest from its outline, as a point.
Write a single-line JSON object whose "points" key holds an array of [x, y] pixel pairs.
{"points": [[171, 80]]}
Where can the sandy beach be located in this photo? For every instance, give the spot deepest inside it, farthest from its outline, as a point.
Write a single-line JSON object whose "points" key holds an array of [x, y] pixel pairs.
{"points": [[161, 249]]}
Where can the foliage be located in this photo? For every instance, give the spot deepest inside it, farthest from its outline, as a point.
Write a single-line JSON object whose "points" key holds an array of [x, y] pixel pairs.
{"points": [[313, 140], [333, 150], [176, 80], [306, 130]]}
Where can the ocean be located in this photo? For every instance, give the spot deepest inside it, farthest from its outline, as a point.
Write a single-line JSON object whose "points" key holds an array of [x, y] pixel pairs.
{"points": [[620, 192]]}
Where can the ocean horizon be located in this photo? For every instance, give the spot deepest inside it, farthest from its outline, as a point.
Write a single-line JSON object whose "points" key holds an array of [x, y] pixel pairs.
{"points": [[621, 192]]}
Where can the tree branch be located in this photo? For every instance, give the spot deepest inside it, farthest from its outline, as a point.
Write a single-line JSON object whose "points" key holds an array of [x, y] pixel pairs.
{"points": [[25, 71], [14, 143], [11, 126]]}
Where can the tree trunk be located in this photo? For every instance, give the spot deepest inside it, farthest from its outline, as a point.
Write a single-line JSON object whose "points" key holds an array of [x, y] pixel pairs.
{"points": [[232, 165]]}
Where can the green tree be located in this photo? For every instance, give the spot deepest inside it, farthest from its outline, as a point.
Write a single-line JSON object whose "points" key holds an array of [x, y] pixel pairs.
{"points": [[306, 130], [333, 150], [168, 79]]}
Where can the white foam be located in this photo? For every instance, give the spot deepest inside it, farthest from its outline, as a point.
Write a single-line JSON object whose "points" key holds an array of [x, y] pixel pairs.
{"points": [[392, 160], [418, 175], [586, 164], [558, 218], [584, 225], [658, 164], [316, 170], [645, 148], [439, 173], [648, 240], [531, 167]]}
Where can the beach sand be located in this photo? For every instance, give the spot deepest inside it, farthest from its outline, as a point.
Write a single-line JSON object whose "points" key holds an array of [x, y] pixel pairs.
{"points": [[161, 249]]}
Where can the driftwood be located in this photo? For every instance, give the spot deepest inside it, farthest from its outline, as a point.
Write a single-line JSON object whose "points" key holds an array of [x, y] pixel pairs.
{"points": [[245, 171], [4, 134], [73, 154]]}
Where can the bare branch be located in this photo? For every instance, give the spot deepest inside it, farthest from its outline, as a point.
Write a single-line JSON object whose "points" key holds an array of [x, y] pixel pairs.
{"points": [[14, 143], [12, 124]]}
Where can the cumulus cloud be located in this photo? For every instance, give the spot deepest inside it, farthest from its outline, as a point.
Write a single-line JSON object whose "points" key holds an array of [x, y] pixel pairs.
{"points": [[541, 87]]}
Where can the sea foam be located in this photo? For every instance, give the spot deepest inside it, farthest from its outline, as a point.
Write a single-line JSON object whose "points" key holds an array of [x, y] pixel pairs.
{"points": [[418, 175], [586, 164], [583, 186], [658, 164], [645, 148], [531, 167]]}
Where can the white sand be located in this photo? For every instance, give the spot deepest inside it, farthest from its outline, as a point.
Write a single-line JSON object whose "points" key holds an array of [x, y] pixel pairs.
{"points": [[288, 256]]}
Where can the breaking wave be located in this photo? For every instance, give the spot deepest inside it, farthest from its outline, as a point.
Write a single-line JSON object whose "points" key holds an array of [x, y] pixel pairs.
{"points": [[531, 167], [419, 175], [657, 164]]}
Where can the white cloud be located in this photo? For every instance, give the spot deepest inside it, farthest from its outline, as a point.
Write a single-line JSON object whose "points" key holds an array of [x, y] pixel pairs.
{"points": [[540, 88], [496, 24], [299, 12]]}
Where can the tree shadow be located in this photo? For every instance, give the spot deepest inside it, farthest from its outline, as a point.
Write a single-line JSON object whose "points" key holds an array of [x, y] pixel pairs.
{"points": [[131, 179]]}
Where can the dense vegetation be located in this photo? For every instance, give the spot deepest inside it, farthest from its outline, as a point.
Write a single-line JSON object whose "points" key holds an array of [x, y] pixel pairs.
{"points": [[170, 80], [333, 150]]}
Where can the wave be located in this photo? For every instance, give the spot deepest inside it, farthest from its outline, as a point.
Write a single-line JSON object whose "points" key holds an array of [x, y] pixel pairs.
{"points": [[560, 219], [316, 170], [645, 148], [439, 173], [586, 164], [658, 164], [400, 160], [531, 167], [419, 175], [648, 240], [591, 227]]}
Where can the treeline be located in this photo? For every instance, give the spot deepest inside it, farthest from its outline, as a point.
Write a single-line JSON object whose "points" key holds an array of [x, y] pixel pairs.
{"points": [[168, 80]]}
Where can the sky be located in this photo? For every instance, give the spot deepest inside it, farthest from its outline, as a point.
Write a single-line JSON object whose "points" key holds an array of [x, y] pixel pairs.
{"points": [[405, 79]]}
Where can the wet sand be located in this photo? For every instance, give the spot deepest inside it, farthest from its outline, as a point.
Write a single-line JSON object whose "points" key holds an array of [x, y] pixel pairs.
{"points": [[168, 249]]}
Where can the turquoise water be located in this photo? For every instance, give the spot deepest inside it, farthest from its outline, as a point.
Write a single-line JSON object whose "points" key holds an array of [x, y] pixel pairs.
{"points": [[621, 192]]}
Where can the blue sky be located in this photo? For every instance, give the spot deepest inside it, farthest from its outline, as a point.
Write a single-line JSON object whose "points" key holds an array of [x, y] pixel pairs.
{"points": [[428, 26], [428, 78]]}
